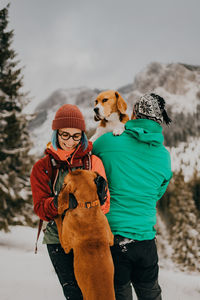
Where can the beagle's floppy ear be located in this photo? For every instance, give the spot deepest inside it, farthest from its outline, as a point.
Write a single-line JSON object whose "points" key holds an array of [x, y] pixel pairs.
{"points": [[63, 199], [121, 104]]}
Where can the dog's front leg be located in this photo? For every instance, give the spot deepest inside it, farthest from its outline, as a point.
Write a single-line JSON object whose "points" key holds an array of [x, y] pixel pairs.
{"points": [[58, 221], [66, 248], [109, 234], [98, 133], [94, 138], [66, 243], [66, 238], [119, 129], [111, 238]]}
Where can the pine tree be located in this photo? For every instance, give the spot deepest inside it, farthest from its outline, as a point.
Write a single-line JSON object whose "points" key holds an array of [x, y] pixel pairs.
{"points": [[185, 238], [194, 184], [14, 138]]}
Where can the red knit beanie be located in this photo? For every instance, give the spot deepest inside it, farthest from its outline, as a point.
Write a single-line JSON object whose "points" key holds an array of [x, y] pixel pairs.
{"points": [[68, 116]]}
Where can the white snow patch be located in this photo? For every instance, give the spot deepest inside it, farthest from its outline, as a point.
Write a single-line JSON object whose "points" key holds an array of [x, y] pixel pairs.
{"points": [[25, 275]]}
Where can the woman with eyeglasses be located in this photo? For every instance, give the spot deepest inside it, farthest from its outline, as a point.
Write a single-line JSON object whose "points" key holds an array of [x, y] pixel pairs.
{"points": [[68, 150]]}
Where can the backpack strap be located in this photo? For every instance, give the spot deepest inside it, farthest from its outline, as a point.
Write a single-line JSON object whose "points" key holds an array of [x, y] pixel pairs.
{"points": [[87, 162], [53, 174], [38, 234], [53, 161]]}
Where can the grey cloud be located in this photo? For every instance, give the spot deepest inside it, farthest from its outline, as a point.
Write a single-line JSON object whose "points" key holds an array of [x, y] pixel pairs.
{"points": [[100, 44]]}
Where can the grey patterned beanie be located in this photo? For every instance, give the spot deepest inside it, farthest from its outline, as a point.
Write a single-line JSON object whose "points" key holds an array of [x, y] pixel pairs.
{"points": [[151, 106]]}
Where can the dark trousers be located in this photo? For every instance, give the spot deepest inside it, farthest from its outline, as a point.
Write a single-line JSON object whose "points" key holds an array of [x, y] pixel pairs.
{"points": [[137, 263], [63, 265]]}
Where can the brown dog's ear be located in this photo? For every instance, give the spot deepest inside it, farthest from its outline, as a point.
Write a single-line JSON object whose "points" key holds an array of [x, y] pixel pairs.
{"points": [[63, 199], [121, 104]]}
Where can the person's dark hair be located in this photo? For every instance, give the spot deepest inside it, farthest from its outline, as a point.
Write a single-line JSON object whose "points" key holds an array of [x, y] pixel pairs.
{"points": [[55, 143], [161, 103]]}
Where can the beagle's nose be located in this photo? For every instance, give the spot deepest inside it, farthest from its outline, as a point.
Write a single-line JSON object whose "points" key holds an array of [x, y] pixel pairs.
{"points": [[96, 110]]}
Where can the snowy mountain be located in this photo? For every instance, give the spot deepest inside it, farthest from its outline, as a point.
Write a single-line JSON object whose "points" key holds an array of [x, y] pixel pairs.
{"points": [[178, 84]]}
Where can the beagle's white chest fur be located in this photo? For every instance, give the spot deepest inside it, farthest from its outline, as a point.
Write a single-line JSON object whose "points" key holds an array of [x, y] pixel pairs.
{"points": [[110, 109], [112, 125]]}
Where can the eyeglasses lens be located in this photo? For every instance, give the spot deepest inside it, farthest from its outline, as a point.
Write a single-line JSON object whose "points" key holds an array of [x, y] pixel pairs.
{"points": [[66, 136]]}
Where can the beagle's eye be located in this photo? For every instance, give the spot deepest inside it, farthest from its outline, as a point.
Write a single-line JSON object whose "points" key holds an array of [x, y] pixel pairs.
{"points": [[104, 100], [96, 102]]}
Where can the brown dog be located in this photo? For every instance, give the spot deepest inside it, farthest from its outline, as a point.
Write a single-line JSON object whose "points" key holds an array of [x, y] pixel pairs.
{"points": [[85, 229], [110, 109]]}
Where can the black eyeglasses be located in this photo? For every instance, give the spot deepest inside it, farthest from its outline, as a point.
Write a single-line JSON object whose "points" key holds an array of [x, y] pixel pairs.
{"points": [[66, 136]]}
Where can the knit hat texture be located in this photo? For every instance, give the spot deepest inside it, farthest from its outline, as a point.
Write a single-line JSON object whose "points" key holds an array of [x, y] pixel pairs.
{"points": [[68, 116], [148, 107], [152, 106]]}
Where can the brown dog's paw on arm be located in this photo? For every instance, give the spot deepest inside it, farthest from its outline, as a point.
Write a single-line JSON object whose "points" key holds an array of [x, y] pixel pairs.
{"points": [[63, 200], [119, 129]]}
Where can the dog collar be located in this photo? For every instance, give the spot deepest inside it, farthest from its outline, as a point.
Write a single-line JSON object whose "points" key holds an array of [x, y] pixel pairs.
{"points": [[89, 204]]}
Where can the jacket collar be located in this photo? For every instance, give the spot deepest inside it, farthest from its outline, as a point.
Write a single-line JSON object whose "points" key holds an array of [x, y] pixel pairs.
{"points": [[79, 153], [147, 124]]}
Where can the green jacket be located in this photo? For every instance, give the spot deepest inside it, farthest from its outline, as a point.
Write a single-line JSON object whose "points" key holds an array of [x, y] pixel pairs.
{"points": [[138, 170]]}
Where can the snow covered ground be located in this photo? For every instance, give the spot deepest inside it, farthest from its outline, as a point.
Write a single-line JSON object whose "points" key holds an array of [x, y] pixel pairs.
{"points": [[24, 275]]}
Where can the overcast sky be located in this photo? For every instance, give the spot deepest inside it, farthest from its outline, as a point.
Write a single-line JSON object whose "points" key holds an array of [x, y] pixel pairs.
{"points": [[100, 43]]}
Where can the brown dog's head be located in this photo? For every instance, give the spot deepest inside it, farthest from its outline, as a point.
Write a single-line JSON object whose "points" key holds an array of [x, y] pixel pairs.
{"points": [[109, 102], [81, 184]]}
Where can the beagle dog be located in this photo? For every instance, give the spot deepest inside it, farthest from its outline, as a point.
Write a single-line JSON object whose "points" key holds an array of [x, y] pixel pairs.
{"points": [[110, 109], [85, 229]]}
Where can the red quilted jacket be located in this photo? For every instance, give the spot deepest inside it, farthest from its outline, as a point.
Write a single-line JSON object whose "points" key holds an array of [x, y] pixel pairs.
{"points": [[42, 177]]}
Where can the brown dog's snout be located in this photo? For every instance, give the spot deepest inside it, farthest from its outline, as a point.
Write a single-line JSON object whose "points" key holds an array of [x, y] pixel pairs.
{"points": [[96, 110]]}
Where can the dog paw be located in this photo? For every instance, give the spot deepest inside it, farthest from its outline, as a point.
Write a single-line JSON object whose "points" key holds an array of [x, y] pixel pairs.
{"points": [[94, 138], [119, 130]]}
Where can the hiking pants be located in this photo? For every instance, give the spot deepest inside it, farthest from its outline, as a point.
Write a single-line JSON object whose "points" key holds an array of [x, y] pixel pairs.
{"points": [[135, 262], [63, 265]]}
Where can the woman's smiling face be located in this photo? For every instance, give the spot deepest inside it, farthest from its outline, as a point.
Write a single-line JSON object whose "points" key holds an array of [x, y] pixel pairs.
{"points": [[69, 138]]}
